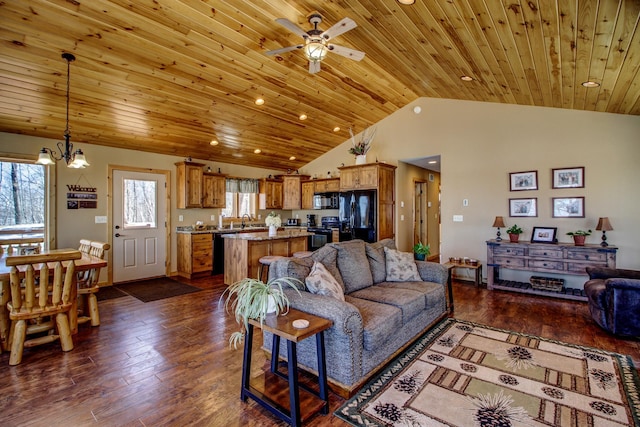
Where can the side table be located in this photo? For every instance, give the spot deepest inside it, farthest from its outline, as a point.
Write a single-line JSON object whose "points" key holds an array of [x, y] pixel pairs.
{"points": [[449, 289], [270, 390], [477, 268]]}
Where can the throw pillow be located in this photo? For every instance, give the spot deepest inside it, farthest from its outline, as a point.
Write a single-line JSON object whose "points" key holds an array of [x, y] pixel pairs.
{"points": [[353, 265], [377, 262], [401, 266], [321, 282]]}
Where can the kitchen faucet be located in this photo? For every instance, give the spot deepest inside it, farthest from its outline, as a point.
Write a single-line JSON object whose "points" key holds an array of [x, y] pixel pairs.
{"points": [[243, 223]]}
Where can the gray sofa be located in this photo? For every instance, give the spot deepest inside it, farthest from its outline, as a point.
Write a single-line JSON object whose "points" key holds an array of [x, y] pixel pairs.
{"points": [[377, 318]]}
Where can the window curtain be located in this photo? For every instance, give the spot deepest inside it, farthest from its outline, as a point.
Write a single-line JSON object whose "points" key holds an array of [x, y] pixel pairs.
{"points": [[242, 185]]}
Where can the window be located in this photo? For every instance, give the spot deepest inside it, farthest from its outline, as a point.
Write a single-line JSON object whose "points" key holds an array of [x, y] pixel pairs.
{"points": [[239, 204], [140, 197], [23, 199]]}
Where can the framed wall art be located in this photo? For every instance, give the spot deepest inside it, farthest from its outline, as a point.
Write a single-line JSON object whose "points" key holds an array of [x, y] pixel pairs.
{"points": [[520, 181], [544, 235], [523, 207], [568, 177], [568, 207]]}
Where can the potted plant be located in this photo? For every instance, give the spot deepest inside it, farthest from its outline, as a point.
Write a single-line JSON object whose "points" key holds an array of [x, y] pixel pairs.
{"points": [[514, 233], [253, 299], [421, 251], [360, 149], [579, 236]]}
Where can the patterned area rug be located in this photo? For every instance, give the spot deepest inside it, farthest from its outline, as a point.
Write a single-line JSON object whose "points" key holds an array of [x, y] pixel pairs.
{"points": [[465, 374]]}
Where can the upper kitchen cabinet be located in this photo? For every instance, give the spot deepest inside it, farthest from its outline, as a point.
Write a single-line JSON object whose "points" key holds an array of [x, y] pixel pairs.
{"points": [[270, 193], [365, 177], [329, 185], [308, 188], [292, 191], [189, 185], [214, 189]]}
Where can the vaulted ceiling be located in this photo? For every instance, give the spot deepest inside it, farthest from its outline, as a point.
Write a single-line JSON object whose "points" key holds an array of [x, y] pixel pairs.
{"points": [[170, 76]]}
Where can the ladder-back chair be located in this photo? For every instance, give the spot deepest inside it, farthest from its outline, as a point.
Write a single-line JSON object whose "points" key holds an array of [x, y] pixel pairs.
{"points": [[21, 246], [88, 282], [40, 301]]}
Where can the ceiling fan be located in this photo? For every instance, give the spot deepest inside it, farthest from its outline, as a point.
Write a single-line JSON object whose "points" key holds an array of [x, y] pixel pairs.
{"points": [[316, 44]]}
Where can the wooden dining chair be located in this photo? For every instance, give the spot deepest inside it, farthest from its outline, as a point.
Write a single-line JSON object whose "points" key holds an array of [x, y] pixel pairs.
{"points": [[88, 283], [21, 246], [40, 302]]}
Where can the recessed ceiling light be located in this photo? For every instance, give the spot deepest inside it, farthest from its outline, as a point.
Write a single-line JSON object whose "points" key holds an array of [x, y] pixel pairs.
{"points": [[257, 151], [417, 109], [406, 2], [303, 117], [292, 158], [466, 78], [590, 84], [259, 101], [336, 129], [214, 142], [433, 162]]}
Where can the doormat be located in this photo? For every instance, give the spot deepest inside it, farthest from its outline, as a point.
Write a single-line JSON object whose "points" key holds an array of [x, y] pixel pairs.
{"points": [[109, 292], [466, 374], [156, 289]]}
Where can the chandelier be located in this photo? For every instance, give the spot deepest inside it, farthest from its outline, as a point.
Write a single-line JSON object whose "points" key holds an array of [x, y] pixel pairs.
{"points": [[73, 159]]}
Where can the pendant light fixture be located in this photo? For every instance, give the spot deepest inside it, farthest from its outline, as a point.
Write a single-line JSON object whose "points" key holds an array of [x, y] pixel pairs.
{"points": [[74, 160]]}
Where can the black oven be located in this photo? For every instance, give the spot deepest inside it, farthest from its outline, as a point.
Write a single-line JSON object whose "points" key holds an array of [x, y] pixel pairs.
{"points": [[323, 234]]}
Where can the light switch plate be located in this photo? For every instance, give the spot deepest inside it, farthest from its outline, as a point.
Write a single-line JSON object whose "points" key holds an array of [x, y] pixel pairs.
{"points": [[465, 202], [101, 219], [180, 218], [457, 218]]}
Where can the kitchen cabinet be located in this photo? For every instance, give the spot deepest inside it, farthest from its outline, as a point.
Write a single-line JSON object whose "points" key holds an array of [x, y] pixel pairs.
{"points": [[214, 190], [308, 188], [270, 193], [292, 191], [195, 254], [330, 185], [374, 176], [189, 185]]}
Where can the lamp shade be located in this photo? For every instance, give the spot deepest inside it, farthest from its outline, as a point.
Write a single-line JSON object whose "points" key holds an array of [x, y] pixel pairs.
{"points": [[44, 158], [604, 224], [499, 222], [315, 50], [79, 162]]}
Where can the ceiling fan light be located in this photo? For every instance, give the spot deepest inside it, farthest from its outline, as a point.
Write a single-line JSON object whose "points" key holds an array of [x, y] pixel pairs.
{"points": [[44, 158], [315, 50], [79, 162]]}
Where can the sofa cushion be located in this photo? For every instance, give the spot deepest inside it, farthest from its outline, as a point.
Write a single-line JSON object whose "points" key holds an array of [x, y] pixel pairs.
{"points": [[409, 301], [400, 266], [379, 321], [377, 260], [353, 265], [296, 268], [321, 282], [432, 291]]}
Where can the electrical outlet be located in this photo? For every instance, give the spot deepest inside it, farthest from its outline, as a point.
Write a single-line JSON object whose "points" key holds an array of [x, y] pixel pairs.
{"points": [[465, 202], [457, 218], [180, 218], [213, 217], [401, 217]]}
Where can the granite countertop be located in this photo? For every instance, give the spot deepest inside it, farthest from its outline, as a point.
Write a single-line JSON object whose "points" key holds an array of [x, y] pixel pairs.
{"points": [[264, 235], [210, 229]]}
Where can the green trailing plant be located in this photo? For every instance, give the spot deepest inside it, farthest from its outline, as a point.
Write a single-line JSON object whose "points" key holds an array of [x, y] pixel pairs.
{"points": [[514, 229], [579, 233], [421, 249], [249, 299]]}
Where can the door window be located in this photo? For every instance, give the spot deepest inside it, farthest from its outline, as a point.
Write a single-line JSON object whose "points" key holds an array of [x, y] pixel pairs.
{"points": [[140, 198]]}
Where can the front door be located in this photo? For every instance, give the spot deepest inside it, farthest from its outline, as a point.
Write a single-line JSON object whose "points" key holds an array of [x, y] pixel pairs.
{"points": [[139, 225]]}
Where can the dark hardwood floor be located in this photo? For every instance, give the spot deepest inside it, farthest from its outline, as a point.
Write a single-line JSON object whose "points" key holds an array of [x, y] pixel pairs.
{"points": [[167, 363]]}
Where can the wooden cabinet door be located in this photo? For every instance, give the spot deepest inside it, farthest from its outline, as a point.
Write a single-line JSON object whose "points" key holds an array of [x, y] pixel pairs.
{"points": [[368, 177], [189, 185], [214, 190], [348, 179], [202, 253], [332, 185], [292, 192], [276, 195], [307, 195], [270, 194]]}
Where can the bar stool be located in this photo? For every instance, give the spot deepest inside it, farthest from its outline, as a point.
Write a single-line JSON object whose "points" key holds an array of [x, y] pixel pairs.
{"points": [[265, 262], [302, 254]]}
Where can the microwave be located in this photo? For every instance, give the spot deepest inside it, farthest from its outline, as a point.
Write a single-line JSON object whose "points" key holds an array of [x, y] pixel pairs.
{"points": [[326, 201]]}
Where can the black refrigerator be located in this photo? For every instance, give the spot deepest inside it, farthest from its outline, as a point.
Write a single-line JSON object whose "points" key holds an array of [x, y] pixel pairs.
{"points": [[358, 214]]}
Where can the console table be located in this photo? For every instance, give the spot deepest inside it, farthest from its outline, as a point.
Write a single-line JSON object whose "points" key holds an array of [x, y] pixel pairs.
{"points": [[559, 258]]}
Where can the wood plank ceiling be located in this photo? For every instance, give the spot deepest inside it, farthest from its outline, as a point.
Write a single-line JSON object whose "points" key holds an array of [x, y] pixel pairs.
{"points": [[169, 76]]}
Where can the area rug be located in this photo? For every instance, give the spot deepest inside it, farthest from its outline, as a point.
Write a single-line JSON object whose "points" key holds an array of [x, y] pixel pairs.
{"points": [[465, 374], [156, 289]]}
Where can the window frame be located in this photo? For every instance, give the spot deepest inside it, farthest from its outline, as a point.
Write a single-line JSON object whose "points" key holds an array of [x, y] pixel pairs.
{"points": [[235, 202]]}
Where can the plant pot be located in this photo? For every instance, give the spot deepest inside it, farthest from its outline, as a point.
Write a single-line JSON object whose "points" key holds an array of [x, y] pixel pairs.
{"points": [[361, 159], [271, 304], [419, 257], [579, 240], [513, 238], [273, 230]]}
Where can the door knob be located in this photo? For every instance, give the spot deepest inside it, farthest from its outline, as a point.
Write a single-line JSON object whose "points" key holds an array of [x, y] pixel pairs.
{"points": [[117, 234]]}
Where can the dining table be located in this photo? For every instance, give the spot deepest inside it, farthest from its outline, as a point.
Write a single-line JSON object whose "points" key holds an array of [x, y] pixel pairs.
{"points": [[87, 262]]}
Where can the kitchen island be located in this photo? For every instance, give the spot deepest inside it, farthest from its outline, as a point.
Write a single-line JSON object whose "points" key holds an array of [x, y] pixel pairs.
{"points": [[242, 252]]}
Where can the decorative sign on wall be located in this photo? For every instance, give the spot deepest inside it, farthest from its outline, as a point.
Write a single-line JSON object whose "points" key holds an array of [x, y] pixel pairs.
{"points": [[80, 197]]}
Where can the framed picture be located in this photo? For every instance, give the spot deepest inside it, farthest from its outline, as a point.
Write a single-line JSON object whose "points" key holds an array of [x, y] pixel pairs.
{"points": [[544, 235], [568, 177], [523, 207], [568, 207], [523, 180]]}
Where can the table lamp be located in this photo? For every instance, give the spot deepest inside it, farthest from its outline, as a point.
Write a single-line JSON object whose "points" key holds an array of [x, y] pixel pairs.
{"points": [[604, 225], [498, 222]]}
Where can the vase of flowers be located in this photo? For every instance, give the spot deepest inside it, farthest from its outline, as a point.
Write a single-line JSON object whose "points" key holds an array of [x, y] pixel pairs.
{"points": [[359, 149], [273, 221]]}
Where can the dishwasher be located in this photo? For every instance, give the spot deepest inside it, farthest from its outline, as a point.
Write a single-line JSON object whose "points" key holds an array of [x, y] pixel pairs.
{"points": [[218, 253]]}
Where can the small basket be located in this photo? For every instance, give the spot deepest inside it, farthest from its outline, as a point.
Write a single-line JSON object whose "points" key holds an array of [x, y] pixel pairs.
{"points": [[547, 283]]}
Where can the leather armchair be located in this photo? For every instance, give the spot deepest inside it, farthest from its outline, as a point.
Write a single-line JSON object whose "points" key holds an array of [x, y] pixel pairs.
{"points": [[614, 299]]}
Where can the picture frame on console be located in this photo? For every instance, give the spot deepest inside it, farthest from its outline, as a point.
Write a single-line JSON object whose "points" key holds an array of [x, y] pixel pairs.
{"points": [[523, 207], [568, 177], [544, 235], [522, 181], [568, 207]]}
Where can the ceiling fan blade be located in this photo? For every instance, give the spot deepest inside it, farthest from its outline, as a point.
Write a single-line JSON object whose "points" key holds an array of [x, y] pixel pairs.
{"points": [[356, 55], [314, 67], [292, 27], [284, 49], [341, 27]]}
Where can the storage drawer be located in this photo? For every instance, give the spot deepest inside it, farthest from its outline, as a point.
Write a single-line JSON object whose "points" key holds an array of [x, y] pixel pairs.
{"points": [[581, 267], [545, 253], [509, 262], [508, 250], [586, 255], [200, 246], [546, 265]]}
